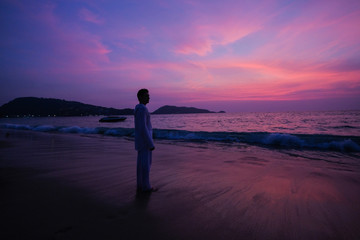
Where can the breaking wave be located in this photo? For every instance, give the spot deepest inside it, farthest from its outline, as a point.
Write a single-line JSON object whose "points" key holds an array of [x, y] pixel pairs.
{"points": [[276, 140]]}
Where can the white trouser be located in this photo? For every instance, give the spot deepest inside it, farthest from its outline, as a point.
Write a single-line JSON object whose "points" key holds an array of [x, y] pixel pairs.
{"points": [[144, 160]]}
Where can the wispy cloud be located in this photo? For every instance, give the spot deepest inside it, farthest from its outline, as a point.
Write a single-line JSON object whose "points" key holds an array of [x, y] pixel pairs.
{"points": [[201, 40], [87, 15], [64, 46], [203, 33]]}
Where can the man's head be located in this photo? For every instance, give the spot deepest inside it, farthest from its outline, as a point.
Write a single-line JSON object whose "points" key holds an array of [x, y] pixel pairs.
{"points": [[143, 96]]}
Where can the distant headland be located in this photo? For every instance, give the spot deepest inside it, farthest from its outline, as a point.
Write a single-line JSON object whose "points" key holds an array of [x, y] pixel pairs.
{"points": [[43, 107], [181, 110]]}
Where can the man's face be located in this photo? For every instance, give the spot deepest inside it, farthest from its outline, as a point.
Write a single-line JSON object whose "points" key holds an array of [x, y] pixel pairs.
{"points": [[145, 98]]}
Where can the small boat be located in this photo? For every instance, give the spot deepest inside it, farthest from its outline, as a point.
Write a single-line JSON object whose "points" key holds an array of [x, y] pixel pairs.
{"points": [[112, 119]]}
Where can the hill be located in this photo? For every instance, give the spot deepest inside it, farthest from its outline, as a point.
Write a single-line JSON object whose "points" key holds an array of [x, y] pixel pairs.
{"points": [[179, 110], [32, 106]]}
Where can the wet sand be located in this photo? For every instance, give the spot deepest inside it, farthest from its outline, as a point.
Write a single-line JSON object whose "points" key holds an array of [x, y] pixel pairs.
{"points": [[68, 186]]}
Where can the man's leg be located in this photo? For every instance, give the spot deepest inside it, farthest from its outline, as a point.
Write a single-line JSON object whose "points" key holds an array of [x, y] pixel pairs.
{"points": [[143, 170], [138, 173]]}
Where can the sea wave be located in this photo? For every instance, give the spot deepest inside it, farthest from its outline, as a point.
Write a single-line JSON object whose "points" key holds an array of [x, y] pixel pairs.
{"points": [[275, 140]]}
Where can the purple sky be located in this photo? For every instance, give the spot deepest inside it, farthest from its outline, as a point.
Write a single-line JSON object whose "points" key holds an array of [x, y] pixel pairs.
{"points": [[220, 55]]}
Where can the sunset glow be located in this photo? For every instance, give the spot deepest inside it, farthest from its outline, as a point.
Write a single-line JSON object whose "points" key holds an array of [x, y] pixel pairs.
{"points": [[187, 53]]}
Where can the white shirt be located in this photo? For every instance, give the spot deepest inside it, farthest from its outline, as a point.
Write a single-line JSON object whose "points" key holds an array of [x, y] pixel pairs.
{"points": [[143, 128]]}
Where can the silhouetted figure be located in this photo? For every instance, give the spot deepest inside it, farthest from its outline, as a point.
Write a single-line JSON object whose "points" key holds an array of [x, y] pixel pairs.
{"points": [[143, 142]]}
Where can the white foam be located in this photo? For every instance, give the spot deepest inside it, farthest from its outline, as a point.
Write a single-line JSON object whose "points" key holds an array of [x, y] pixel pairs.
{"points": [[44, 128], [16, 126], [285, 140], [314, 142], [345, 146], [76, 129]]}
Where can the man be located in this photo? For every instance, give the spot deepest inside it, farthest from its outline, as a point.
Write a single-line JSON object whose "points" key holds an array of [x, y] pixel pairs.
{"points": [[143, 142]]}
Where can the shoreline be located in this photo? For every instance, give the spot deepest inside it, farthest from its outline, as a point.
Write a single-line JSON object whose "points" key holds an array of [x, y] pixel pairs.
{"points": [[68, 186]]}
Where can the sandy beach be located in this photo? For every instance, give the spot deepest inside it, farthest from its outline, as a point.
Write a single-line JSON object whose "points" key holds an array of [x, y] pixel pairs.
{"points": [[72, 186]]}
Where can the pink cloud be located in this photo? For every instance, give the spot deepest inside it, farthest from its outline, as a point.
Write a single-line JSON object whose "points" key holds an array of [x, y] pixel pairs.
{"points": [[201, 39], [86, 15], [240, 79], [323, 31], [302, 61], [69, 49], [199, 46], [129, 37], [262, 80], [201, 34]]}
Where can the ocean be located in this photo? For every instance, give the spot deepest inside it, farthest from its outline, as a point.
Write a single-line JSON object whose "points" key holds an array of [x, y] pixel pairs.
{"points": [[317, 131]]}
